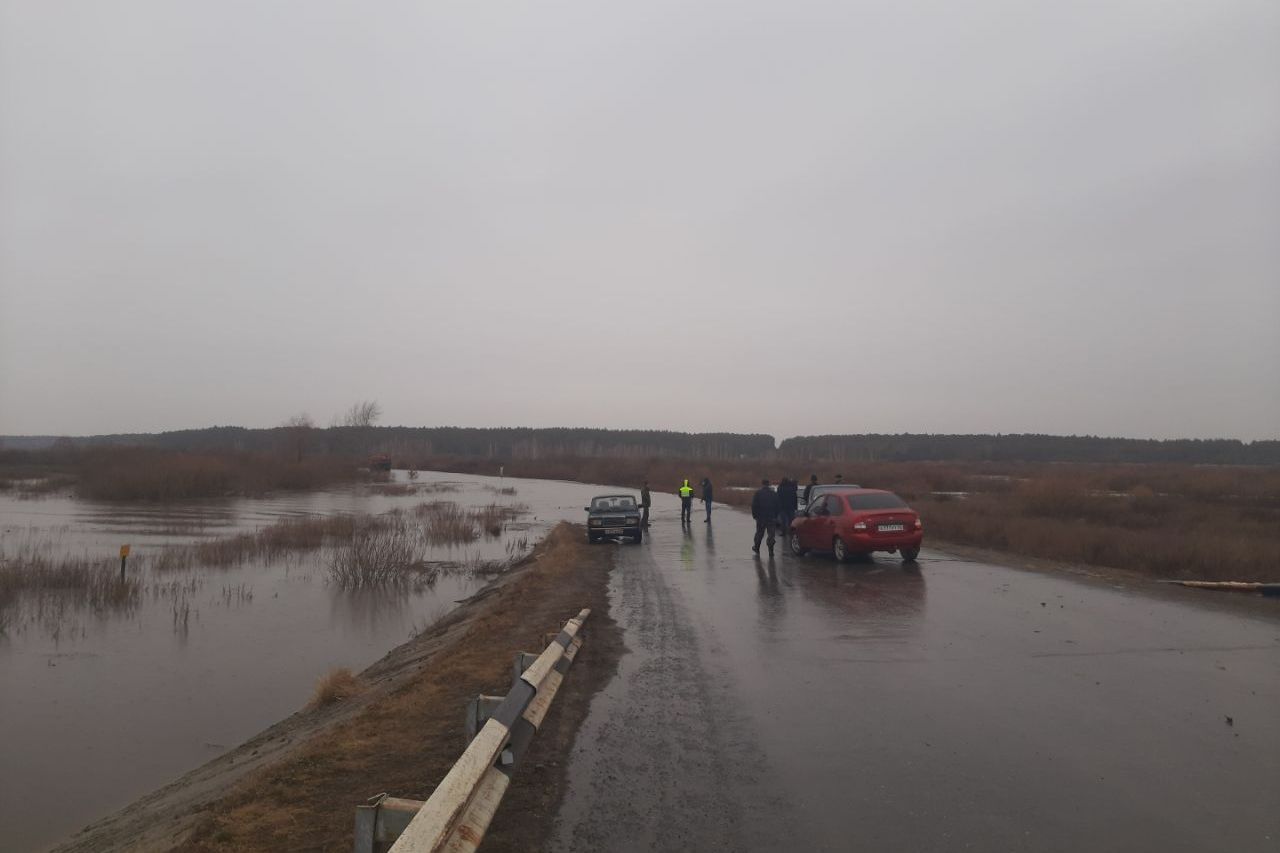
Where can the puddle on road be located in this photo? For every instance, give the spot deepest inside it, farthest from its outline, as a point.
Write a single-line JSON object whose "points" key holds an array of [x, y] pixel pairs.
{"points": [[98, 706]]}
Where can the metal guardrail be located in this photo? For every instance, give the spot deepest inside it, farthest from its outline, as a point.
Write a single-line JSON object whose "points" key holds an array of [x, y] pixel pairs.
{"points": [[458, 813]]}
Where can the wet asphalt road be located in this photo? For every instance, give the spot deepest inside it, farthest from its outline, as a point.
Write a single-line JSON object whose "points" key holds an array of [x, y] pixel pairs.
{"points": [[800, 704]]}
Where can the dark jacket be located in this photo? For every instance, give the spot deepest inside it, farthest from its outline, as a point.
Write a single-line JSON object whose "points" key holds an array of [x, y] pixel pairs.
{"points": [[644, 496], [787, 496], [808, 490], [707, 490], [764, 505]]}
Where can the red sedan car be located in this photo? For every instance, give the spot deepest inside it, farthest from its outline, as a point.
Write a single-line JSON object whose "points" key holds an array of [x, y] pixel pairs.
{"points": [[848, 521]]}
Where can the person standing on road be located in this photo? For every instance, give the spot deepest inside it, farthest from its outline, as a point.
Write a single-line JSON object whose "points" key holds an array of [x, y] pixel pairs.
{"points": [[808, 490], [707, 491], [787, 499], [645, 501], [686, 503], [764, 509], [839, 479]]}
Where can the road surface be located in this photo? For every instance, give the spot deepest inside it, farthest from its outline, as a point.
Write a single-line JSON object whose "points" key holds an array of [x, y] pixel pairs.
{"points": [[799, 704]]}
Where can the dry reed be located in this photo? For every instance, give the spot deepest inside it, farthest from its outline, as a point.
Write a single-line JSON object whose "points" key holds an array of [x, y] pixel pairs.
{"points": [[336, 685]]}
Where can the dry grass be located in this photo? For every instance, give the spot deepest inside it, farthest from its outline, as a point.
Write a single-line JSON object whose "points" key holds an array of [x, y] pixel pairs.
{"points": [[446, 523], [275, 541], [336, 685], [30, 569], [1169, 521], [492, 518], [50, 593], [145, 474], [381, 551]]}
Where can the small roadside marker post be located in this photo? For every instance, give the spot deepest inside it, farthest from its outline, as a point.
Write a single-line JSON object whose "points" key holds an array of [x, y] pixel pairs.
{"points": [[124, 556]]}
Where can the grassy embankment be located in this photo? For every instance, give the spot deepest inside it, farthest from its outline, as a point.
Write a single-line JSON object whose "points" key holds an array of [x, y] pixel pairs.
{"points": [[403, 740], [147, 474], [1166, 521]]}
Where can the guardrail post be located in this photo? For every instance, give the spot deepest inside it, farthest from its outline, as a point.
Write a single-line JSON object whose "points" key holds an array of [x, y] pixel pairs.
{"points": [[524, 660], [380, 822], [479, 710]]}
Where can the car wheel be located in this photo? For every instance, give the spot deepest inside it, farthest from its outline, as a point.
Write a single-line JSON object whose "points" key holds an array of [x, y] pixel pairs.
{"points": [[796, 548], [592, 539], [909, 554], [840, 550]]}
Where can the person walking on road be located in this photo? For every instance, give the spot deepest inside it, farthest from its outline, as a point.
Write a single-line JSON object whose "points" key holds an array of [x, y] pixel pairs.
{"points": [[808, 490], [686, 503], [645, 502], [764, 509], [787, 501], [707, 491]]}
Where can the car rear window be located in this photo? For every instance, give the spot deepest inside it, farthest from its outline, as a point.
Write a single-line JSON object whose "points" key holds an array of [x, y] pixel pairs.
{"points": [[876, 501], [612, 504]]}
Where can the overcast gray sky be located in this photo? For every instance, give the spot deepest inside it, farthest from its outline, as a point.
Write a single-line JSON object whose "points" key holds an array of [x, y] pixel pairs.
{"points": [[793, 217]]}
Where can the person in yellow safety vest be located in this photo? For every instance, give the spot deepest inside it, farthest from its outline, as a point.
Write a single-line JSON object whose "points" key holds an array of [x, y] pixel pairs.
{"points": [[686, 503]]}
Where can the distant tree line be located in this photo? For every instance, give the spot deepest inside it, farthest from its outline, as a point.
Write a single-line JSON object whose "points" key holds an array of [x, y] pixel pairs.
{"points": [[909, 447], [298, 438]]}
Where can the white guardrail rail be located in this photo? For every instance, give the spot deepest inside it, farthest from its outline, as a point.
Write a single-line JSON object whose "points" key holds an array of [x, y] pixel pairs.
{"points": [[457, 814]]}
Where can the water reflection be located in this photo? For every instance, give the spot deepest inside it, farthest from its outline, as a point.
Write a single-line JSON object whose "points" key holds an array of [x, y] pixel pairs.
{"points": [[371, 611], [878, 597], [770, 599]]}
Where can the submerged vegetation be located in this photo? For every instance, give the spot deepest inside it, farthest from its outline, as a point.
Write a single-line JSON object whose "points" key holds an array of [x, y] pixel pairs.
{"points": [[388, 550], [41, 582], [380, 551]]}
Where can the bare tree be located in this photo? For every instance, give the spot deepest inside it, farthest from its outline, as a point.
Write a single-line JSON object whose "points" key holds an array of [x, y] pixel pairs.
{"points": [[298, 429], [364, 414]]}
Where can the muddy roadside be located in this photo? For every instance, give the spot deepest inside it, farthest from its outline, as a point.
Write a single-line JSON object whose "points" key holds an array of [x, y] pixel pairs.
{"points": [[295, 785]]}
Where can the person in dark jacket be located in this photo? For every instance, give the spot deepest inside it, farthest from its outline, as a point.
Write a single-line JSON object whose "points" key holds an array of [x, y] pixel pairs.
{"points": [[707, 491], [645, 501], [808, 490], [787, 501], [764, 509]]}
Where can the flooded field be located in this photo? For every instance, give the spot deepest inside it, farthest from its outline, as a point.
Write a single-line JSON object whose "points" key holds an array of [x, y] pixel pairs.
{"points": [[230, 613]]}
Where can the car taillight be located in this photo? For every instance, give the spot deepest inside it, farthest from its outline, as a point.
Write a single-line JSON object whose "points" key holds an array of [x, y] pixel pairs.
{"points": [[859, 525], [919, 525]]}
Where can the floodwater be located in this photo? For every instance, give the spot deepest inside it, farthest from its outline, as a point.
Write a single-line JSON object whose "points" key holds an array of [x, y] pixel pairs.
{"points": [[96, 709]]}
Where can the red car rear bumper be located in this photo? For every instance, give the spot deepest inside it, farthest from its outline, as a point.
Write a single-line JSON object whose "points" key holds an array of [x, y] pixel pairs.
{"points": [[858, 540]]}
